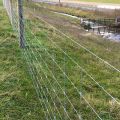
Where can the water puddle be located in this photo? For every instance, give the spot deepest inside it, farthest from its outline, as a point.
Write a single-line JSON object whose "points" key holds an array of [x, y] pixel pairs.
{"points": [[68, 15], [94, 27]]}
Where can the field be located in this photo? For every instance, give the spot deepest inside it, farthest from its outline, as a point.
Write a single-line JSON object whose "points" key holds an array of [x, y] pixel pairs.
{"points": [[45, 40], [18, 99], [78, 12], [48, 60]]}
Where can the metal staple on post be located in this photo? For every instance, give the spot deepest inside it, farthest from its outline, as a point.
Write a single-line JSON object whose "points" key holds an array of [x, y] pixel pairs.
{"points": [[21, 24]]}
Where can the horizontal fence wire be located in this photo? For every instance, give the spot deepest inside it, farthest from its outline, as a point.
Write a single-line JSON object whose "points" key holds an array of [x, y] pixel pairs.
{"points": [[50, 65], [75, 61], [71, 83]]}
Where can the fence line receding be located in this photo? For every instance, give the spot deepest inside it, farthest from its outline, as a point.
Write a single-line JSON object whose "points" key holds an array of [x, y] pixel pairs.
{"points": [[71, 81]]}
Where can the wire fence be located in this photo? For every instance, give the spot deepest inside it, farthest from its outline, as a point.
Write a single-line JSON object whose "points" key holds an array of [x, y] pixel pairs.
{"points": [[71, 81]]}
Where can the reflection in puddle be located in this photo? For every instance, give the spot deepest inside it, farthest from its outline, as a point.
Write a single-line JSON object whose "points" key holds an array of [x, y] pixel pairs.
{"points": [[103, 32]]}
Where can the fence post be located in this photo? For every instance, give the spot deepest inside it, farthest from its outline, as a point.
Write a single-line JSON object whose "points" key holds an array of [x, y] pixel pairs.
{"points": [[21, 24], [59, 1]]}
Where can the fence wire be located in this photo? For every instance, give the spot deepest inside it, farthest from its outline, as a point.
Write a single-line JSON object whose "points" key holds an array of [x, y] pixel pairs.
{"points": [[71, 81]]}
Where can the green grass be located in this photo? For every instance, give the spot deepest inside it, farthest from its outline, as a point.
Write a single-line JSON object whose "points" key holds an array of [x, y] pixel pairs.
{"points": [[40, 46], [18, 99]]}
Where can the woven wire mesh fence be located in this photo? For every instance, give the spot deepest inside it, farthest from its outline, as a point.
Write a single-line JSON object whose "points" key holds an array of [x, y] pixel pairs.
{"points": [[71, 81]]}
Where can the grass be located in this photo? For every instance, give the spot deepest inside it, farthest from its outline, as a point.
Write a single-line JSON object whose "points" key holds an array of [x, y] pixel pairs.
{"points": [[18, 99], [78, 12], [40, 45], [68, 10]]}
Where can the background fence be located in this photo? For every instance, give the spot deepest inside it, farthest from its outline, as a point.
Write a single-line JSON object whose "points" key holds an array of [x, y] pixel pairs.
{"points": [[71, 81]]}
